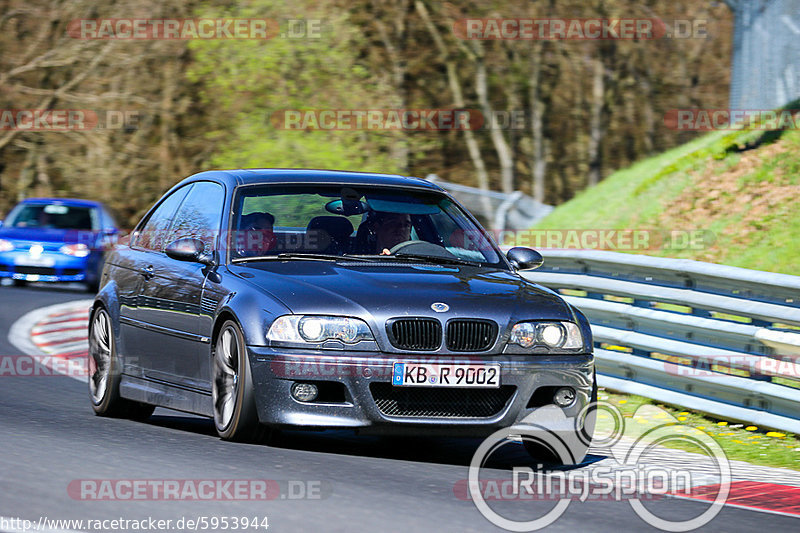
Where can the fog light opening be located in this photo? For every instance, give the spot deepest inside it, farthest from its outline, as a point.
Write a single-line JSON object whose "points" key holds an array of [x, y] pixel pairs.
{"points": [[305, 392], [564, 397]]}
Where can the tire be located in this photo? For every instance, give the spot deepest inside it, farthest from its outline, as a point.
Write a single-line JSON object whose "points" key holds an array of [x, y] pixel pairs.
{"points": [[104, 373], [232, 396]]}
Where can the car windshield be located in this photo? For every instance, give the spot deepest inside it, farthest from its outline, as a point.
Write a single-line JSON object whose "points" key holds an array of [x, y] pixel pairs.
{"points": [[313, 222], [52, 216]]}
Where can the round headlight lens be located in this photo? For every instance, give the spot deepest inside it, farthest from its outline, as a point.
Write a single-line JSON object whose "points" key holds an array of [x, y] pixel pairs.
{"points": [[524, 334], [311, 328], [552, 335]]}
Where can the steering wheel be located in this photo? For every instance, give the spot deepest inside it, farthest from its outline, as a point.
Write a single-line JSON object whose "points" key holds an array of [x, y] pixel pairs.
{"points": [[405, 244], [420, 248]]}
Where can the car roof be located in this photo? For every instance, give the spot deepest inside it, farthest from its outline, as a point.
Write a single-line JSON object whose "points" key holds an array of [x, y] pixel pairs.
{"points": [[256, 176], [75, 202]]}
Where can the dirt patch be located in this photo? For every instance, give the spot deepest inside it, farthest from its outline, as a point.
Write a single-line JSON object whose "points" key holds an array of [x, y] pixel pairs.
{"points": [[748, 206]]}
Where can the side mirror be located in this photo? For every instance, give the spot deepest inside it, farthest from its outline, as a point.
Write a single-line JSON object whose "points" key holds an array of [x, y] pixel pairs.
{"points": [[522, 258], [189, 249]]}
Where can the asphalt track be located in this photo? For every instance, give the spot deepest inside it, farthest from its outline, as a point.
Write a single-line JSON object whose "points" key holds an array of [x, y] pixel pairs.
{"points": [[49, 438]]}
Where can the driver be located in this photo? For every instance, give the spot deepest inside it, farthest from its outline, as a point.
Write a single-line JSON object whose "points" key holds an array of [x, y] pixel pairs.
{"points": [[256, 236], [390, 230]]}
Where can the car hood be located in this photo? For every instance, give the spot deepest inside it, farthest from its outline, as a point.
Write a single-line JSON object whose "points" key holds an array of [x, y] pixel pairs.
{"points": [[381, 291], [57, 237]]}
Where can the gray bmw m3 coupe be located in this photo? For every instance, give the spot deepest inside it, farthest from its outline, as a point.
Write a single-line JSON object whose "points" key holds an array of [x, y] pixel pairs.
{"points": [[326, 299]]}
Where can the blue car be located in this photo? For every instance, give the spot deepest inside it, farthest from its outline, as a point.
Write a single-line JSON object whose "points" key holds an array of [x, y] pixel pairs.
{"points": [[56, 239]]}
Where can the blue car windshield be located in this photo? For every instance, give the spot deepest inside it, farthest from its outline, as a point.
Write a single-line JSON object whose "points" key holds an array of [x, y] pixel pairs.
{"points": [[52, 216], [269, 221]]}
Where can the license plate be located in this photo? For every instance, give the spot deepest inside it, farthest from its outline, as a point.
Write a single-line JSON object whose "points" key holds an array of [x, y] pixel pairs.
{"points": [[26, 260], [433, 375]]}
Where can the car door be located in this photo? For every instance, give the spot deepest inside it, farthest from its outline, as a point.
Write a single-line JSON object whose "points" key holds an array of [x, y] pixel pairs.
{"points": [[170, 300], [129, 271]]}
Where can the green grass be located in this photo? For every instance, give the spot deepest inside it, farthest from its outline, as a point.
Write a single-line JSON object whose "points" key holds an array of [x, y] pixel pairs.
{"points": [[608, 205], [741, 442], [740, 188]]}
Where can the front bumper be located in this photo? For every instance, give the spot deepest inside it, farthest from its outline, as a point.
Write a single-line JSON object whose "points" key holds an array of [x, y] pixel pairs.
{"points": [[365, 376], [50, 266]]}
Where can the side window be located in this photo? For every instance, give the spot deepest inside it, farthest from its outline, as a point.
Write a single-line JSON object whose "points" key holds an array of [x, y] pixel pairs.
{"points": [[152, 235], [199, 215]]}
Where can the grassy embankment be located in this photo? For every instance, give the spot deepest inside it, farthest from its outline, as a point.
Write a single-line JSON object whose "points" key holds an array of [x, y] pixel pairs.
{"points": [[742, 189]]}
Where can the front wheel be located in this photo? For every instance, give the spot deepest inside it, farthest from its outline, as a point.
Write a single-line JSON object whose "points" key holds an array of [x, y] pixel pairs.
{"points": [[104, 373], [235, 416]]}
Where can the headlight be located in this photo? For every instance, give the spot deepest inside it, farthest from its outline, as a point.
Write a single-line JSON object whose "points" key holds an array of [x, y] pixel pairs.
{"points": [[310, 329], [6, 246], [75, 250], [561, 335]]}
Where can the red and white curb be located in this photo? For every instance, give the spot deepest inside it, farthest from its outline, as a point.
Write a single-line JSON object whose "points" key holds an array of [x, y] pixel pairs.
{"points": [[56, 336]]}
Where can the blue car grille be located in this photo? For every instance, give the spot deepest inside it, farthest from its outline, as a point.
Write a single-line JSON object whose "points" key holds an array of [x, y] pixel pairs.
{"points": [[42, 271]]}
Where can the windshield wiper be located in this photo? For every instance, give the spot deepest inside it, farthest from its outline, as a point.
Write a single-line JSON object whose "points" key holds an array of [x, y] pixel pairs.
{"points": [[424, 259], [300, 256]]}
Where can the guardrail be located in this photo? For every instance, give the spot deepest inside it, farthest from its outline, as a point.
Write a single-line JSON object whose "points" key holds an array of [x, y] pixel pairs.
{"points": [[717, 339]]}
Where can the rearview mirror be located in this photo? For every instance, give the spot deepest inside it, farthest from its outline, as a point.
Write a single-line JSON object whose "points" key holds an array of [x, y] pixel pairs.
{"points": [[522, 258], [189, 249]]}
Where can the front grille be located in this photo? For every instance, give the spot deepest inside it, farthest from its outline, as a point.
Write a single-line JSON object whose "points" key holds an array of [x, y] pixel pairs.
{"points": [[72, 271], [430, 402], [415, 334], [42, 271], [470, 335]]}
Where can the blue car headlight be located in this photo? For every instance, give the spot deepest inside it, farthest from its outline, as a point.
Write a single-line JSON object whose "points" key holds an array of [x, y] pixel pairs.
{"points": [[75, 250], [312, 329], [550, 335], [6, 246]]}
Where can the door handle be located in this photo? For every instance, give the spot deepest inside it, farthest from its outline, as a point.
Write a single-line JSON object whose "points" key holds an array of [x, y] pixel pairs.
{"points": [[148, 271]]}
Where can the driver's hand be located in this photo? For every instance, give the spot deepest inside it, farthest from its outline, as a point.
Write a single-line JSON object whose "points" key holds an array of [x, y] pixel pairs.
{"points": [[386, 252]]}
